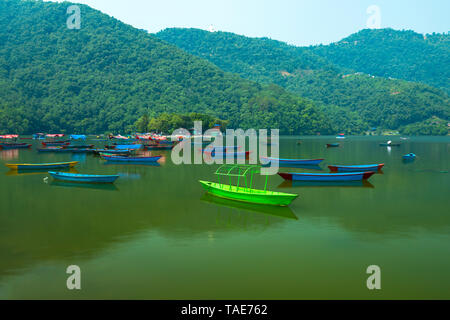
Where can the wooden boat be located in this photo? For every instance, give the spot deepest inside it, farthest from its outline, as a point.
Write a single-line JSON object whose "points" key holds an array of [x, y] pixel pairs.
{"points": [[354, 176], [89, 178], [7, 146], [78, 146], [116, 158], [55, 149], [330, 184], [55, 143], [387, 144], [285, 162], [221, 149], [38, 166], [129, 146], [333, 145], [159, 147], [113, 151], [236, 154], [357, 168], [409, 156], [245, 193]]}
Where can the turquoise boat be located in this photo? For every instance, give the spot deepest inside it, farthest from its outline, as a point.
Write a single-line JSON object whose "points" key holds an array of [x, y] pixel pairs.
{"points": [[87, 178], [130, 159], [409, 157]]}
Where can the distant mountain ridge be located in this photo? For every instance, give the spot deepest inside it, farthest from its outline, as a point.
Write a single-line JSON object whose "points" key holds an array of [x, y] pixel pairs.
{"points": [[388, 53], [308, 72]]}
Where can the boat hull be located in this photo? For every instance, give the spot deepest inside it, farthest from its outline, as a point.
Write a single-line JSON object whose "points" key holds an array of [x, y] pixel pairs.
{"points": [[85, 178], [39, 166], [169, 147], [248, 195], [130, 159], [14, 146], [327, 177], [360, 168], [390, 145], [285, 162]]}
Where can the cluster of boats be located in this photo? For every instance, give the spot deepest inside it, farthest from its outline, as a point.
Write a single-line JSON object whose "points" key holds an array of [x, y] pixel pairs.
{"points": [[127, 152]]}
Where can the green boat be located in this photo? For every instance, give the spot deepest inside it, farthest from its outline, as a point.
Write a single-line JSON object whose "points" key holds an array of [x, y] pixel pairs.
{"points": [[245, 193]]}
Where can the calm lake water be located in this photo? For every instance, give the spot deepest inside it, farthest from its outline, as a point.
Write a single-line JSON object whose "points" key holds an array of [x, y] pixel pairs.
{"points": [[155, 235]]}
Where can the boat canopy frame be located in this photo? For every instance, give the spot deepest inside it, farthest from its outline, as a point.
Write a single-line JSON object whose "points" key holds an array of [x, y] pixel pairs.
{"points": [[240, 171]]}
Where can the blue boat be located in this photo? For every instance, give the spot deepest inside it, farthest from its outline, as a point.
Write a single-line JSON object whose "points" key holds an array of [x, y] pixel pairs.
{"points": [[355, 176], [232, 154], [89, 178], [409, 156], [221, 149], [285, 162], [129, 146], [121, 152], [7, 146], [53, 149], [130, 159], [358, 168], [332, 145]]}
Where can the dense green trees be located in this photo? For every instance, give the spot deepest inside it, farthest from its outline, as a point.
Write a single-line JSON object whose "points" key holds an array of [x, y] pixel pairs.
{"points": [[354, 100], [398, 54], [104, 76], [167, 123]]}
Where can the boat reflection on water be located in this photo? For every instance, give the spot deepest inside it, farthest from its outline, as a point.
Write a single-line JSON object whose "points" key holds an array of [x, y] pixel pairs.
{"points": [[80, 157], [281, 212], [9, 154], [80, 185], [38, 171], [331, 184]]}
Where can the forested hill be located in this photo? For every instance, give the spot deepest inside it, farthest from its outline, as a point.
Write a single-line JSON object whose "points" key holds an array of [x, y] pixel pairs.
{"points": [[398, 54], [381, 102], [106, 75]]}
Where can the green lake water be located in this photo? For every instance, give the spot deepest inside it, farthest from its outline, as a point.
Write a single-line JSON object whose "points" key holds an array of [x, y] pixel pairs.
{"points": [[155, 235]]}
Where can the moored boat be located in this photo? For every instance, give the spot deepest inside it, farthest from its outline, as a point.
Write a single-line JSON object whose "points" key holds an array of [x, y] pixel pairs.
{"points": [[7, 146], [116, 158], [356, 168], [353, 176], [55, 143], [248, 194], [409, 156], [38, 166], [89, 178], [245, 193], [237, 154], [129, 146], [332, 145], [284, 162], [159, 147], [121, 152]]}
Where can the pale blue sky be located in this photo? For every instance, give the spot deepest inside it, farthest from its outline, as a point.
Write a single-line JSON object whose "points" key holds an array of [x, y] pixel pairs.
{"points": [[299, 22]]}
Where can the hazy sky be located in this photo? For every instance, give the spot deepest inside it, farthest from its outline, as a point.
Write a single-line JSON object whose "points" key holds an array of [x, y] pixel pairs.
{"points": [[300, 22]]}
